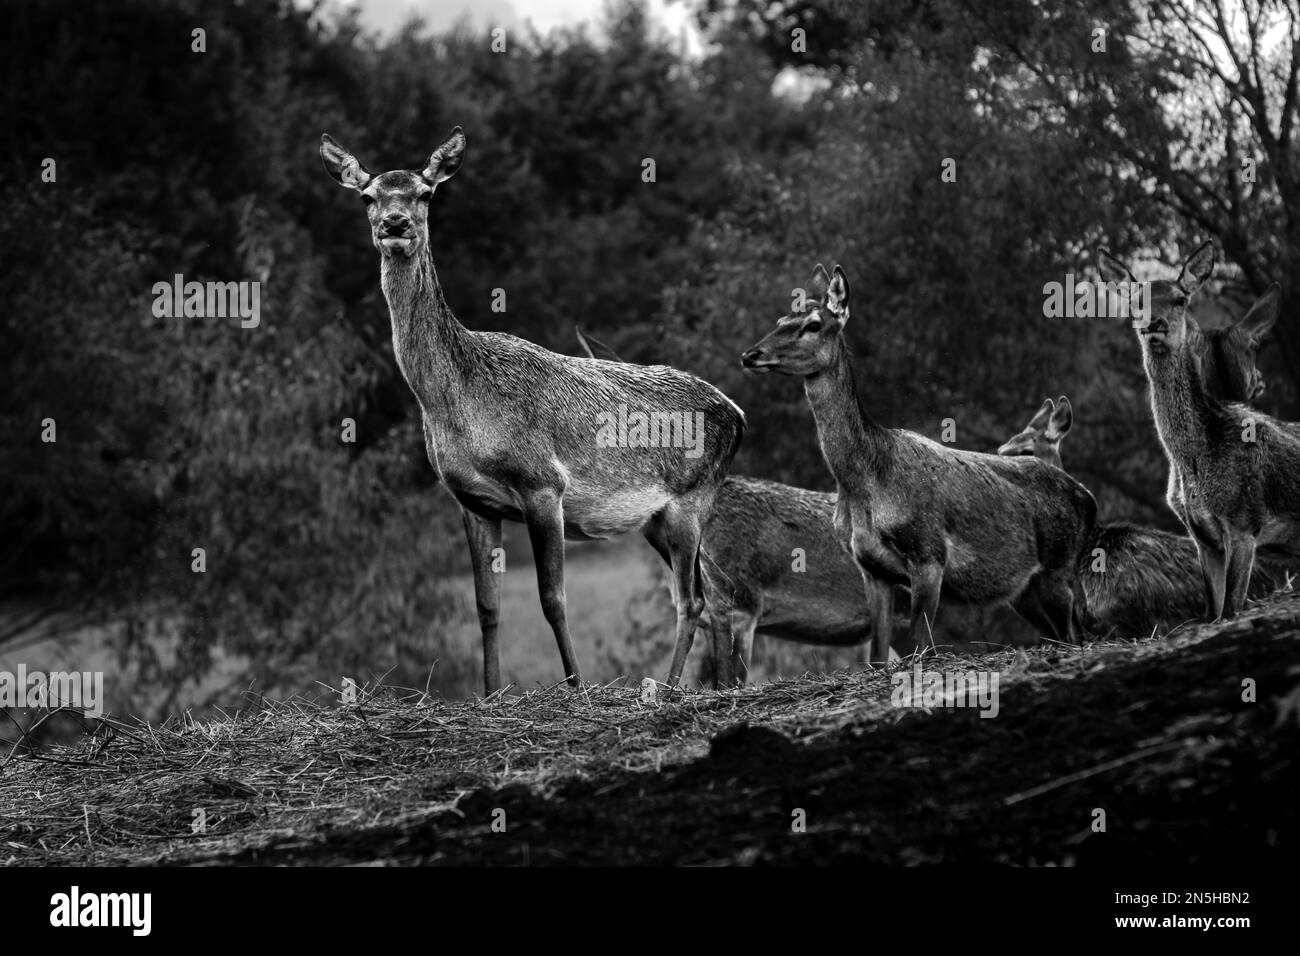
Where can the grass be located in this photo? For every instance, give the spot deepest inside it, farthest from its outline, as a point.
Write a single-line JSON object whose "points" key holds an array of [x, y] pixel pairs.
{"points": [[1155, 734], [620, 615]]}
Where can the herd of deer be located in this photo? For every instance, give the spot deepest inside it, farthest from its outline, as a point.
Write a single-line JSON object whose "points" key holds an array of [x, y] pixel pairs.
{"points": [[511, 429]]}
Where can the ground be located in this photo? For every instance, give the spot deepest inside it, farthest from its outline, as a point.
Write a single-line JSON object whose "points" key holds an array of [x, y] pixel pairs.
{"points": [[1154, 751]]}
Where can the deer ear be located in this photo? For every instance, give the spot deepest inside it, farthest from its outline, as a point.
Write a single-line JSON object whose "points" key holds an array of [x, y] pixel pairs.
{"points": [[819, 282], [837, 295], [1262, 314], [592, 345], [1058, 426], [1040, 419], [1198, 267], [1112, 269], [446, 159], [342, 165]]}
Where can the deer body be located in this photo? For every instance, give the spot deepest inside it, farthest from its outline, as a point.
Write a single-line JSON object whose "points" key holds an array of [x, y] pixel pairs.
{"points": [[750, 580], [1151, 578], [1233, 495], [976, 528], [517, 432], [488, 436], [1132, 579], [1234, 473], [919, 503], [749, 548]]}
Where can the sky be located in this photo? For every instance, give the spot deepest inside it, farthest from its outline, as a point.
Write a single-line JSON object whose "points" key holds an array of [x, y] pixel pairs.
{"points": [[388, 15]]}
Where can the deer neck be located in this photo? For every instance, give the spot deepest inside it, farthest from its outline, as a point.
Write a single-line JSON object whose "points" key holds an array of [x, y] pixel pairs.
{"points": [[430, 344], [1178, 401], [854, 446]]}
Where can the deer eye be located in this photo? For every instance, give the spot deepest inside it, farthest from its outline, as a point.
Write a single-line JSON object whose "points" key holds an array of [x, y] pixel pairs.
{"points": [[814, 325], [424, 197], [368, 199]]}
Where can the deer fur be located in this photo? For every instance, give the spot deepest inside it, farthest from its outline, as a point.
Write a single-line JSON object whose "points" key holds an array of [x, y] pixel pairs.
{"points": [[751, 586], [1150, 579], [751, 583], [980, 529], [1235, 496], [512, 428], [1227, 355]]}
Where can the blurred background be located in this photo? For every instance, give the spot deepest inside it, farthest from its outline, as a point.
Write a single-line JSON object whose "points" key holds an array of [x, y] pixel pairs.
{"points": [[784, 132]]}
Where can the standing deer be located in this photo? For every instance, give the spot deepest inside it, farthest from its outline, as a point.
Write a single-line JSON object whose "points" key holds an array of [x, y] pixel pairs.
{"points": [[1234, 473], [520, 433], [750, 582], [981, 529], [1133, 579], [1227, 360]]}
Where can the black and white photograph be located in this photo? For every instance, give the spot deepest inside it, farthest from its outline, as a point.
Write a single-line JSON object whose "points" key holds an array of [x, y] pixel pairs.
{"points": [[517, 434]]}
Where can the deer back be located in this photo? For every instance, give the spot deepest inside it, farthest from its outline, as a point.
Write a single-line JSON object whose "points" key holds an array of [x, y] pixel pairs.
{"points": [[516, 414], [988, 508]]}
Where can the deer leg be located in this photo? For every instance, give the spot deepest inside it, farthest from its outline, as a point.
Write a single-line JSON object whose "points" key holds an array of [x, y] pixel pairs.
{"points": [[690, 604], [1240, 563], [679, 530], [484, 536], [1028, 606], [743, 624], [881, 595], [880, 601], [927, 582], [900, 646], [719, 645], [1214, 571], [717, 618], [732, 638], [1078, 603], [1057, 601], [1046, 612], [544, 516]]}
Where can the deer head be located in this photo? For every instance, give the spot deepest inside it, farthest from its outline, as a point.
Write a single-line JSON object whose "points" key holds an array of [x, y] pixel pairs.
{"points": [[1042, 436], [1228, 355], [1167, 326], [805, 342], [397, 202]]}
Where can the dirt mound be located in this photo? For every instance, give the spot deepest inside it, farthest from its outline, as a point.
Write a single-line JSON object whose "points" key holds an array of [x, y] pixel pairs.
{"points": [[1152, 739]]}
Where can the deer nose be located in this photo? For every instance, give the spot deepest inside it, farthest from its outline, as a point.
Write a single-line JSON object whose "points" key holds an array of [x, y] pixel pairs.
{"points": [[395, 222], [750, 357]]}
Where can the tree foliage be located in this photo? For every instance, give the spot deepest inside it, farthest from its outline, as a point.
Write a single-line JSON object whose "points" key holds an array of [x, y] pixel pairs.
{"points": [[175, 434]]}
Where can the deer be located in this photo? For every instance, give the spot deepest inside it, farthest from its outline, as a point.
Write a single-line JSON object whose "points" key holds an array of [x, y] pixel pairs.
{"points": [[1228, 355], [1234, 472], [523, 434], [976, 528], [773, 567], [1134, 580]]}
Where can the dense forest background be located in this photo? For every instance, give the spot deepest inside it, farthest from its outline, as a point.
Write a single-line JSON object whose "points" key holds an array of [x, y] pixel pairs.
{"points": [[805, 131]]}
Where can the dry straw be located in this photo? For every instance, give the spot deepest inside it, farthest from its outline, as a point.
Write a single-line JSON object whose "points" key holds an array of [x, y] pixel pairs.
{"points": [[280, 770]]}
